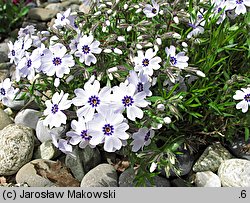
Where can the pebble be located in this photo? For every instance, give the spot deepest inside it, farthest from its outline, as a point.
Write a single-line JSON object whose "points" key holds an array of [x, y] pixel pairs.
{"points": [[46, 150], [4, 119], [28, 117], [235, 173], [207, 179], [103, 175], [43, 132], [55, 6], [16, 148], [46, 173], [126, 179], [85, 160], [211, 158], [4, 74], [178, 182], [41, 14], [240, 148], [4, 50]]}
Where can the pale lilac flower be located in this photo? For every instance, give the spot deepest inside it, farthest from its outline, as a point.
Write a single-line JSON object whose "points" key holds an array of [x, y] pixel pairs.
{"points": [[244, 95], [54, 111], [91, 99], [62, 19], [239, 5], [151, 10], [178, 60], [28, 65], [7, 92], [219, 5], [125, 97], [16, 51], [153, 166], [197, 25], [109, 127], [28, 30], [85, 49], [148, 62], [74, 43], [62, 144], [142, 138], [140, 81], [81, 133], [56, 61]]}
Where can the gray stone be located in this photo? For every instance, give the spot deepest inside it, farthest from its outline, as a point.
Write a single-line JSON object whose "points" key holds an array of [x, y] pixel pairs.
{"points": [[211, 158], [126, 179], [4, 119], [16, 104], [55, 6], [4, 74], [207, 179], [5, 66], [85, 160], [103, 175], [45, 173], [178, 182], [28, 117], [43, 132], [235, 173], [74, 7], [46, 150], [53, 1], [16, 148], [4, 50], [84, 8], [41, 14]]}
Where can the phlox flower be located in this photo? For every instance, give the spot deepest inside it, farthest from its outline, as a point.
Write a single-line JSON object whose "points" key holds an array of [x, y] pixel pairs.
{"points": [[91, 99], [109, 128], [219, 5], [54, 111], [178, 60], [80, 134], [238, 5], [62, 144], [7, 92], [62, 19], [16, 51], [141, 81], [28, 65], [197, 25], [151, 10], [55, 61], [148, 62], [28, 30], [244, 95], [142, 138], [85, 49], [125, 97]]}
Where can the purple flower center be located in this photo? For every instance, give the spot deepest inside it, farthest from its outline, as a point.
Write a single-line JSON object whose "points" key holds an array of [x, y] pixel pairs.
{"points": [[108, 129], [94, 101], [57, 61], [85, 49], [192, 25], [173, 60], [54, 108], [29, 63], [200, 17], [85, 136], [26, 31], [139, 87], [2, 91], [239, 1], [154, 11], [247, 97], [145, 62], [219, 9], [62, 18], [13, 53], [127, 101], [147, 136]]}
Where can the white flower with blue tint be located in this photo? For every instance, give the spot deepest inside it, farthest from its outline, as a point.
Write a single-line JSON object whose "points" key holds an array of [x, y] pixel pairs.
{"points": [[28, 65], [142, 138], [62, 19], [28, 30], [244, 95], [16, 51], [148, 62], [219, 8], [177, 60], [141, 81], [56, 61], [125, 98], [62, 144], [81, 133], [109, 128], [151, 10], [197, 24], [238, 5], [91, 99], [54, 111], [7, 92], [85, 49]]}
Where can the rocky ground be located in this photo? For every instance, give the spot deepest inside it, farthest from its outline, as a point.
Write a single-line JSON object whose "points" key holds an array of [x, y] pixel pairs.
{"points": [[28, 157]]}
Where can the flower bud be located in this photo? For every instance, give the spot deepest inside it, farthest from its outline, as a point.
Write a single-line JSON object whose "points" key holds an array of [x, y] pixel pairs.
{"points": [[200, 73], [125, 6], [160, 107], [176, 20], [129, 28], [138, 46], [117, 51], [153, 167], [121, 38], [158, 41], [107, 51], [167, 120]]}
